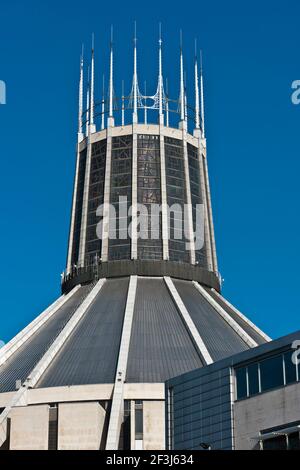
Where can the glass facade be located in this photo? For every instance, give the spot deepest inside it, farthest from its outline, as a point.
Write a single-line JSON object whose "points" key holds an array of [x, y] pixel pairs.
{"points": [[149, 192], [78, 206], [121, 185], [176, 194], [96, 194], [266, 374], [196, 197]]}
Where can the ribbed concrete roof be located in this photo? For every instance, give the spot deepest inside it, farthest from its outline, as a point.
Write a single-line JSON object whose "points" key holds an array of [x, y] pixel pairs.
{"points": [[90, 355], [220, 339], [21, 363], [161, 346]]}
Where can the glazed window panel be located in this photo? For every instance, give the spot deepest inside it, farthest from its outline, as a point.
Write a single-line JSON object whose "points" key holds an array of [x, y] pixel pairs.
{"points": [[95, 199], [121, 186], [196, 197], [149, 192], [271, 371], [78, 206], [176, 194], [290, 368], [266, 374], [241, 383]]}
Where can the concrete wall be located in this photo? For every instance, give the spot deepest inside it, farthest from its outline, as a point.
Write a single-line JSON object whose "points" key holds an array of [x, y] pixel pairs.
{"points": [[29, 428], [80, 426], [274, 408], [141, 129], [153, 425]]}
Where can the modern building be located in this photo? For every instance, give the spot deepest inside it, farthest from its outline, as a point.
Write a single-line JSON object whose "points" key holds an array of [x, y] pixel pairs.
{"points": [[136, 308], [250, 401]]}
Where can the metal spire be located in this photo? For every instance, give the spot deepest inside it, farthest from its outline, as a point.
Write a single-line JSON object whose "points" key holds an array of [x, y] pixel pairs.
{"points": [[110, 114], [145, 105], [160, 80], [202, 97], [123, 104], [80, 105], [197, 103], [167, 103], [92, 124], [88, 104], [103, 103], [185, 98], [181, 82], [135, 80]]}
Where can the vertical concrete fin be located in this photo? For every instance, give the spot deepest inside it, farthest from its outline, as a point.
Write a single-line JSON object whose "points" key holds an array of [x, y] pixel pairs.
{"points": [[207, 234], [209, 206], [117, 407], [85, 202], [72, 222], [134, 238], [164, 202], [234, 325], [188, 322], [106, 196], [188, 197]]}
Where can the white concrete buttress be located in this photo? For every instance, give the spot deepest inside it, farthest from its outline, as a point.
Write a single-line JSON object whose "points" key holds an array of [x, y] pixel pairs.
{"points": [[192, 330], [117, 407]]}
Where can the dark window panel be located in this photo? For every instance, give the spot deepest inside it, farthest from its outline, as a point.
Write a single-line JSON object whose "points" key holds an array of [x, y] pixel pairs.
{"points": [[196, 196], [271, 372], [290, 368], [276, 443], [241, 383], [78, 206], [95, 199], [149, 192], [121, 185], [253, 379], [294, 442]]}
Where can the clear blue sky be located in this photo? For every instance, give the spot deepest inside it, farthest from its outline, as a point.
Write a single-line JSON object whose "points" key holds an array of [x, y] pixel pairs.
{"points": [[251, 54]]}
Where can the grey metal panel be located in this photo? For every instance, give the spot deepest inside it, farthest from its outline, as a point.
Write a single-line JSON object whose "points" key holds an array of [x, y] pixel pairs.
{"points": [[219, 338], [243, 324], [21, 363], [90, 355], [121, 268], [201, 414], [160, 345]]}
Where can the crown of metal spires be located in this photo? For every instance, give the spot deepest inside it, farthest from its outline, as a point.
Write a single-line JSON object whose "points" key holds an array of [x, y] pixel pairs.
{"points": [[110, 105]]}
